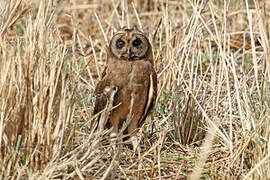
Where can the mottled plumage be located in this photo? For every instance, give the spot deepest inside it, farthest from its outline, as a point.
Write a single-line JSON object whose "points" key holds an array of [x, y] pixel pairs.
{"points": [[130, 69]]}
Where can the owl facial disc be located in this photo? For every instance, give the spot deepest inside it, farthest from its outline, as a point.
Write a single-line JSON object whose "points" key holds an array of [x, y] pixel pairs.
{"points": [[130, 45]]}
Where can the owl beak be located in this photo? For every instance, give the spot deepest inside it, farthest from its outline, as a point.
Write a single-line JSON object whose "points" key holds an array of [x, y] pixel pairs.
{"points": [[128, 50]]}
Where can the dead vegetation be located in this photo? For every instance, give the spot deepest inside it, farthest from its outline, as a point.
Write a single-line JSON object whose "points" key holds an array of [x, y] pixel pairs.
{"points": [[212, 116]]}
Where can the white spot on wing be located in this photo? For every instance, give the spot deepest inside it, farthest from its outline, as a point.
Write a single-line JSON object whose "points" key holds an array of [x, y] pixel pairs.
{"points": [[149, 98], [150, 93]]}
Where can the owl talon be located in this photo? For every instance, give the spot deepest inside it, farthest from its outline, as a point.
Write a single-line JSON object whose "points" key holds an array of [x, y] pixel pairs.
{"points": [[135, 144], [113, 140], [113, 135]]}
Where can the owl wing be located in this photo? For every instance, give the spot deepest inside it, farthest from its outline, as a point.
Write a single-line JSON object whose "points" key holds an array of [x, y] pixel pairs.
{"points": [[151, 95], [104, 72], [101, 99]]}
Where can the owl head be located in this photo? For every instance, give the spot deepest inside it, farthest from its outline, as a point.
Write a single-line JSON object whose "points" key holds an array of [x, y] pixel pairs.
{"points": [[130, 45]]}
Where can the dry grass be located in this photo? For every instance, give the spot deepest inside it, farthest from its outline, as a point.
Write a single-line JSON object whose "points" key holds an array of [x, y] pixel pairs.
{"points": [[212, 116]]}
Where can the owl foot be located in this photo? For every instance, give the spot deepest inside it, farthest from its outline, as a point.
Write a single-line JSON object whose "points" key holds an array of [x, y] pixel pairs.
{"points": [[113, 140], [135, 144]]}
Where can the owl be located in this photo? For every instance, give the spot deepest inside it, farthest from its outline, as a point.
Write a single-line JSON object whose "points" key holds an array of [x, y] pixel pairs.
{"points": [[130, 69]]}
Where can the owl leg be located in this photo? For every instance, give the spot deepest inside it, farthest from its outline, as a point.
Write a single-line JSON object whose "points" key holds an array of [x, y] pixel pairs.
{"points": [[133, 125], [134, 135], [114, 123], [129, 124], [110, 92]]}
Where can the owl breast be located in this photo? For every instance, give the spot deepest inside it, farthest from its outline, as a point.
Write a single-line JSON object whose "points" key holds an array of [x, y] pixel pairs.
{"points": [[131, 78]]}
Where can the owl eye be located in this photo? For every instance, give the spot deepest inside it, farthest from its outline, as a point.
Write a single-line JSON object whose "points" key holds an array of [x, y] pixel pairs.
{"points": [[120, 43], [137, 42]]}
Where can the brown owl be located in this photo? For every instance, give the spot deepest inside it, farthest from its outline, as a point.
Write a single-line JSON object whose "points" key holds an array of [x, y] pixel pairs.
{"points": [[131, 70]]}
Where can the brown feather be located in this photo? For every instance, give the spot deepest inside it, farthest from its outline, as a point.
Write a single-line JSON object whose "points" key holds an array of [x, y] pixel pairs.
{"points": [[134, 76]]}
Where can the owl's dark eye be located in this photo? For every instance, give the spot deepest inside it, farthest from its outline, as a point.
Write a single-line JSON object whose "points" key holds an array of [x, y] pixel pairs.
{"points": [[120, 43], [137, 42]]}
